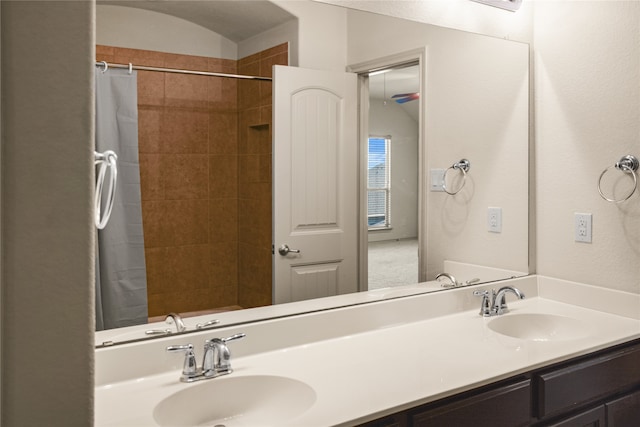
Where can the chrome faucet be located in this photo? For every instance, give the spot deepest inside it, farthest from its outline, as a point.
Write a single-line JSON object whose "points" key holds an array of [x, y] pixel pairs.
{"points": [[453, 284], [176, 320], [171, 318], [216, 361], [494, 303], [217, 358]]}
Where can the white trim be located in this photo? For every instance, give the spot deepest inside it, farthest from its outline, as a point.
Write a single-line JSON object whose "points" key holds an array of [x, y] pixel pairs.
{"points": [[362, 69], [363, 137]]}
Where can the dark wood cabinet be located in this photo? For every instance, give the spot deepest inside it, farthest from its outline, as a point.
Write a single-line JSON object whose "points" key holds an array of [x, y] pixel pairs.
{"points": [[505, 406], [395, 420], [601, 389], [624, 411], [563, 389], [591, 418]]}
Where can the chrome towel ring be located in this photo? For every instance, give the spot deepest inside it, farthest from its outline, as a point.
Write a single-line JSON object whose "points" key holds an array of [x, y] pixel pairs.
{"points": [[629, 165], [463, 166]]}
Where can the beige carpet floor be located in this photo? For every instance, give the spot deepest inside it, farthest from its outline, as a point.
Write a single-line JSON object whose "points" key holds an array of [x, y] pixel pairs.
{"points": [[393, 263]]}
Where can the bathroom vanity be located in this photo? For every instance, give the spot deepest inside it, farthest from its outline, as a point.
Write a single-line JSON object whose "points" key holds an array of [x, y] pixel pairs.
{"points": [[599, 389], [566, 352]]}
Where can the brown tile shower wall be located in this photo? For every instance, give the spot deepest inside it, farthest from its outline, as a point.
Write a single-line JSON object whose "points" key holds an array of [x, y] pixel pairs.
{"points": [[254, 179], [205, 166], [187, 131]]}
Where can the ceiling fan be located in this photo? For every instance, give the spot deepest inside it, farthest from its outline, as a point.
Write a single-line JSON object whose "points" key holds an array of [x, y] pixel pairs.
{"points": [[401, 98]]}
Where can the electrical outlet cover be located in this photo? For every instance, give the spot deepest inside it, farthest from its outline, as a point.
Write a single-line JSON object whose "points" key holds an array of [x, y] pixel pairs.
{"points": [[582, 227], [494, 220]]}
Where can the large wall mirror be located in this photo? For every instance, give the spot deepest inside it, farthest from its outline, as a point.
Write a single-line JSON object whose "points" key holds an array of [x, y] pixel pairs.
{"points": [[435, 179]]}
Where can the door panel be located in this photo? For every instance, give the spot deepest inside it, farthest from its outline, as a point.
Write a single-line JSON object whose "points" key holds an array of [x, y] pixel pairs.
{"points": [[313, 281], [314, 158], [315, 183]]}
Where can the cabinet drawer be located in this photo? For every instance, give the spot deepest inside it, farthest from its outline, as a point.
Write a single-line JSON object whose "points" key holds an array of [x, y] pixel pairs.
{"points": [[565, 388], [508, 405]]}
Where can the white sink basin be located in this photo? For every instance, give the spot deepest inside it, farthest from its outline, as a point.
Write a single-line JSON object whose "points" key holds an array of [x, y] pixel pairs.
{"points": [[539, 327], [259, 400]]}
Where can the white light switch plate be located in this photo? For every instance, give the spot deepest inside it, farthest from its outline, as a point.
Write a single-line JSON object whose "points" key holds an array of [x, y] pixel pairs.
{"points": [[437, 179]]}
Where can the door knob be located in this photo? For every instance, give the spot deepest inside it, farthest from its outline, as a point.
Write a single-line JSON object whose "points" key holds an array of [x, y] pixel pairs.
{"points": [[285, 249]]}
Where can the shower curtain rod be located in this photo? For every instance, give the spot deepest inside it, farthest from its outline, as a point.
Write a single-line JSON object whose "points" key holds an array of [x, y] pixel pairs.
{"points": [[175, 70]]}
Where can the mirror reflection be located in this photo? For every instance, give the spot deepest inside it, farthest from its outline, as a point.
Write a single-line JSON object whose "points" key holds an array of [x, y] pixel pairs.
{"points": [[392, 176], [201, 235]]}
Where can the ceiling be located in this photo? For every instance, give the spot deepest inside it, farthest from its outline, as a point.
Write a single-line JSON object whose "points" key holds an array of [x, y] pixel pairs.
{"points": [[396, 81], [235, 20], [239, 20]]}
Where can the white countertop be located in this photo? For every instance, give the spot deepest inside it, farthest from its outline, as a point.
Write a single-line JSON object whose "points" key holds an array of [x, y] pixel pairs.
{"points": [[360, 374]]}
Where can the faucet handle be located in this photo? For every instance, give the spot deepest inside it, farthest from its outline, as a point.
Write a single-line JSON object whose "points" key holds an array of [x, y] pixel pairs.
{"points": [[221, 342], [217, 358], [233, 337], [190, 366], [485, 306], [207, 323], [158, 332]]}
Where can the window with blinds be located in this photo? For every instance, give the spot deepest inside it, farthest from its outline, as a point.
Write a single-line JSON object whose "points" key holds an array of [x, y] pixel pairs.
{"points": [[379, 182]]}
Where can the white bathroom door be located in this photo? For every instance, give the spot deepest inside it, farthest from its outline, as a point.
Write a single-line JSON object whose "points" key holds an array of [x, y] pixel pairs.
{"points": [[315, 187]]}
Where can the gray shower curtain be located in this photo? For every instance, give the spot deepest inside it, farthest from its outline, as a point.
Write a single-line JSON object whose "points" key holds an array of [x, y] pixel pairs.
{"points": [[121, 278]]}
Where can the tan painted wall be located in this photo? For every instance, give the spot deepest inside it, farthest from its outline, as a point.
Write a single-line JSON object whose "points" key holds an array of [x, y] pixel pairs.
{"points": [[587, 71], [318, 47], [47, 234], [144, 29], [465, 73], [457, 14]]}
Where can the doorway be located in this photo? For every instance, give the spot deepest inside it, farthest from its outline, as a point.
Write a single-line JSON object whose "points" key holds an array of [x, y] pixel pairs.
{"points": [[391, 175]]}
